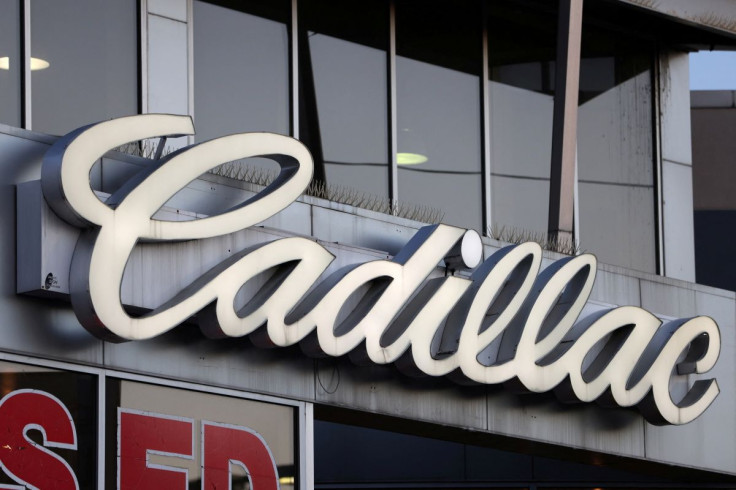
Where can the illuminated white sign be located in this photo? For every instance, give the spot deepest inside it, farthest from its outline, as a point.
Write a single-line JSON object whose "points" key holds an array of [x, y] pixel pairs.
{"points": [[507, 323]]}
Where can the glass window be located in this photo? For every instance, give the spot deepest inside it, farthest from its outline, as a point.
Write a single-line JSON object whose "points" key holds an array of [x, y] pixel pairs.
{"points": [[10, 63], [615, 152], [521, 56], [184, 431], [241, 68], [343, 92], [86, 62], [438, 102], [64, 405], [351, 456]]}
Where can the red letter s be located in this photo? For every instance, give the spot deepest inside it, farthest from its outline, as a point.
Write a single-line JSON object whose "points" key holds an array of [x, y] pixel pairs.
{"points": [[22, 459]]}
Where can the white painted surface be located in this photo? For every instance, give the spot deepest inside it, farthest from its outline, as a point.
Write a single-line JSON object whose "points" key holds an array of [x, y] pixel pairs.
{"points": [[167, 66], [677, 208], [675, 107], [614, 134], [174, 9]]}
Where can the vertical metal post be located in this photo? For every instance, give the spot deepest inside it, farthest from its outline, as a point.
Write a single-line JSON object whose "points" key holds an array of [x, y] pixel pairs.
{"points": [[564, 133], [657, 147], [486, 126], [190, 64], [393, 177], [101, 432], [294, 70], [143, 55], [306, 430], [27, 110]]}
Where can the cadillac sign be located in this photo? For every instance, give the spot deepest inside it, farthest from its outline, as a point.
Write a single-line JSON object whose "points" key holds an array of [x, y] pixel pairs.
{"points": [[505, 323]]}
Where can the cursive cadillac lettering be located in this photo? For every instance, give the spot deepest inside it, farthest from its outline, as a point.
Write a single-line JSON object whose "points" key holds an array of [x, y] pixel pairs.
{"points": [[507, 323]]}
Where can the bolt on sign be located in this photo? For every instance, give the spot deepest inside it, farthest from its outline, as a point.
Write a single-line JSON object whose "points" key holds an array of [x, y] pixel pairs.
{"points": [[508, 322]]}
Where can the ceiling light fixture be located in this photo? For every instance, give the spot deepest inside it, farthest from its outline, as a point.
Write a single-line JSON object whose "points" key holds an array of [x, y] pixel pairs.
{"points": [[36, 63], [409, 140], [410, 158]]}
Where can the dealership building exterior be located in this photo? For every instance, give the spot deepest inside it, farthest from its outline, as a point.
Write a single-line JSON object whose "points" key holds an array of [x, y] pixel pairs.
{"points": [[293, 244]]}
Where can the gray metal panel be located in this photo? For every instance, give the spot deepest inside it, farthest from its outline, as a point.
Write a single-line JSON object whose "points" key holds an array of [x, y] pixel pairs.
{"points": [[713, 14], [617, 289], [116, 172], [614, 136], [671, 299], [589, 426], [675, 107], [333, 225], [709, 441], [296, 218], [208, 198], [28, 240], [95, 177], [150, 260], [167, 68], [382, 389], [617, 224], [30, 325], [677, 207], [674, 300], [45, 245], [27, 115], [20, 158], [185, 354], [174, 9]]}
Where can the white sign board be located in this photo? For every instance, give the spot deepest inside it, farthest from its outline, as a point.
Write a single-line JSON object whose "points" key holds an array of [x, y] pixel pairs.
{"points": [[507, 323]]}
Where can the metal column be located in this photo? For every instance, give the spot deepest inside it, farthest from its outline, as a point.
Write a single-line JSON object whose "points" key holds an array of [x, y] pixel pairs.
{"points": [[564, 133]]}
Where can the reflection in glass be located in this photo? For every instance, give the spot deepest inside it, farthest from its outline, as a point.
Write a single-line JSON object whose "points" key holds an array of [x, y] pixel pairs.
{"points": [[615, 155], [241, 68], [274, 423], [521, 51], [92, 51], [438, 108], [78, 393], [10, 65], [343, 92]]}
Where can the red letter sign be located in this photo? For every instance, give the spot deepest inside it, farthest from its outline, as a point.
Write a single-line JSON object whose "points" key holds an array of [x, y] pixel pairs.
{"points": [[22, 459], [141, 434], [226, 444]]}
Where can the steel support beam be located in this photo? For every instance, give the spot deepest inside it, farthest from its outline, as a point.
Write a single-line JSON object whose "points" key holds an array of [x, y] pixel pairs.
{"points": [[564, 133]]}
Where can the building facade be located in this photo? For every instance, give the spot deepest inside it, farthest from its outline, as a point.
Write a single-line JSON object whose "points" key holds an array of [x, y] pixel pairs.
{"points": [[294, 244]]}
